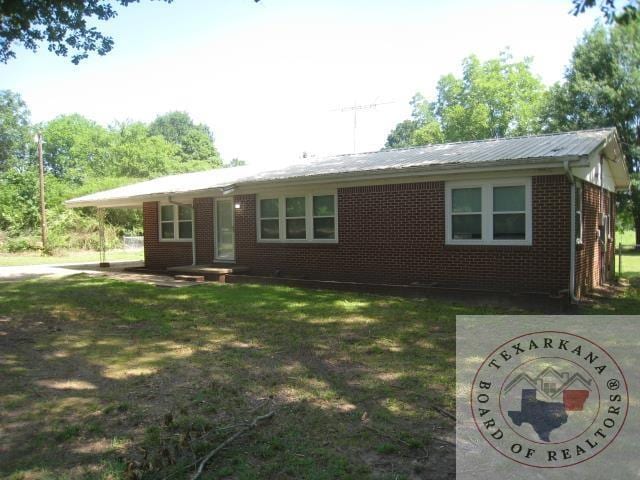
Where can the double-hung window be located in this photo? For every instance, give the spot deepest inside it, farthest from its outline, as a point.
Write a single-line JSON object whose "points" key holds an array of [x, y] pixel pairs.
{"points": [[298, 218], [176, 222], [269, 228], [296, 215], [324, 217], [509, 213], [466, 213], [488, 212]]}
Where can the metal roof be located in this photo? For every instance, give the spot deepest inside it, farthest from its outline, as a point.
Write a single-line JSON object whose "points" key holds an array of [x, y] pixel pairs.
{"points": [[503, 151]]}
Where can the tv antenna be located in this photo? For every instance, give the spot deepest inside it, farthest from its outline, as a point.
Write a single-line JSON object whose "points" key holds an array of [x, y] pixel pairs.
{"points": [[355, 109]]}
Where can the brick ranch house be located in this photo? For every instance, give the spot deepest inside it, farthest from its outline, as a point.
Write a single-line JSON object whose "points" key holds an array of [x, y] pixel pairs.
{"points": [[525, 214]]}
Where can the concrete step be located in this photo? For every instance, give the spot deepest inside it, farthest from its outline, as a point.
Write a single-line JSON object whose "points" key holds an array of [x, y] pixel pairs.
{"points": [[190, 278]]}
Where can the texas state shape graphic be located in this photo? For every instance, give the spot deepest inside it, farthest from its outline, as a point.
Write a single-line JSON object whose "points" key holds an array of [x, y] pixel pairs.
{"points": [[543, 416]]}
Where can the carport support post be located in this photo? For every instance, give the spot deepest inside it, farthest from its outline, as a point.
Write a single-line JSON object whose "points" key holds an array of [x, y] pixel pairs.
{"points": [[102, 246]]}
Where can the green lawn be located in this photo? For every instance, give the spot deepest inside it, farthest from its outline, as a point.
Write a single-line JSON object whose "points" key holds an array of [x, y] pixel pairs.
{"points": [[626, 238], [112, 380], [8, 260]]}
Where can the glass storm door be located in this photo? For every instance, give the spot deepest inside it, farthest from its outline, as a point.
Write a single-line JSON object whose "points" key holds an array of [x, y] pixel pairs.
{"points": [[225, 250]]}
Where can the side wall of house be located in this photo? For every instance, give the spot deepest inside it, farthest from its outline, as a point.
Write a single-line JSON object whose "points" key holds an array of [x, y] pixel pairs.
{"points": [[396, 234], [592, 254]]}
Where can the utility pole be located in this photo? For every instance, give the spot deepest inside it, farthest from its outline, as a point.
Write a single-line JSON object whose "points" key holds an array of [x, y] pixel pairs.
{"points": [[43, 212], [355, 108]]}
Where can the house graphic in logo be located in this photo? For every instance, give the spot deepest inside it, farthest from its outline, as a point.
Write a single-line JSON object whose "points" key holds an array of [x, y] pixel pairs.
{"points": [[546, 399]]}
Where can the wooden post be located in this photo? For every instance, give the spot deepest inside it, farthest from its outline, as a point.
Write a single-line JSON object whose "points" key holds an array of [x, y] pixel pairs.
{"points": [[103, 243], [43, 211]]}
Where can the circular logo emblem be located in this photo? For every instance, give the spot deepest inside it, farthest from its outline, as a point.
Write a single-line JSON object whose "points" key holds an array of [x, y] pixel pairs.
{"points": [[549, 399]]}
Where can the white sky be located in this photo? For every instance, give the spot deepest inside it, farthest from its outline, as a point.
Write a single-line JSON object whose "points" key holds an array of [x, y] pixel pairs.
{"points": [[268, 77]]}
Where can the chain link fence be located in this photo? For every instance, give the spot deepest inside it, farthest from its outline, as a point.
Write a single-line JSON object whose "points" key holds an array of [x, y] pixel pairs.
{"points": [[628, 259], [132, 243]]}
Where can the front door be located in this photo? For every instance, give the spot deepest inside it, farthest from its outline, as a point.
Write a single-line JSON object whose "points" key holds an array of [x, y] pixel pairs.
{"points": [[224, 239]]}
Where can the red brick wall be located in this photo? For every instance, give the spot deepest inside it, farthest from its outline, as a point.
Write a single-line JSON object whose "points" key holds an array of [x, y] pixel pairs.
{"points": [[589, 255], [203, 212], [395, 234], [161, 254]]}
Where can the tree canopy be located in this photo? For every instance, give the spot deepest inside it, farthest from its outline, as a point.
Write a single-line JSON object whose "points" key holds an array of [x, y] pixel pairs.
{"points": [[623, 15], [602, 89], [195, 141], [495, 98], [82, 156], [15, 130], [62, 24]]}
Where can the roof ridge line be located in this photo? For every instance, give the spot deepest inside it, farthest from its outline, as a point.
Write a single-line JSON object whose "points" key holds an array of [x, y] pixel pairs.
{"points": [[461, 142]]}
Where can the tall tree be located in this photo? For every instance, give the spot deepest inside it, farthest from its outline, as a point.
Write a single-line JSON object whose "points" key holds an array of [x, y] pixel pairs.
{"points": [[423, 127], [76, 148], [402, 135], [137, 153], [15, 131], [194, 140], [500, 97], [602, 89], [497, 98]]}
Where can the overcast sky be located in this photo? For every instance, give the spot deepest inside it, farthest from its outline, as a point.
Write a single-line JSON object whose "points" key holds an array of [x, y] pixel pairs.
{"points": [[270, 78]]}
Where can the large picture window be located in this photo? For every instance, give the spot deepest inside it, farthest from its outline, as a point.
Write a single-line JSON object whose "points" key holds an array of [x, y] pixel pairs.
{"points": [[297, 218], [176, 222], [488, 212]]}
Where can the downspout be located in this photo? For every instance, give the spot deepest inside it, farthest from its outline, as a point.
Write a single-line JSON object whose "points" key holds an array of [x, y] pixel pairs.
{"points": [[572, 236], [603, 229], [193, 227]]}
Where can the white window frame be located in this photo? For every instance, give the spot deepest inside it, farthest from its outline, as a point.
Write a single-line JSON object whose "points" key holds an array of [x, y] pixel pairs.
{"points": [[282, 225], [487, 212], [176, 223]]}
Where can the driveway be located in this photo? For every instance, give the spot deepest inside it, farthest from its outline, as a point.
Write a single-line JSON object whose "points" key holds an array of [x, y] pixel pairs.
{"points": [[117, 270]]}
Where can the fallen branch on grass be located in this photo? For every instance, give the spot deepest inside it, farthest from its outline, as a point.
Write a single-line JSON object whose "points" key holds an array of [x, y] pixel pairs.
{"points": [[246, 428], [385, 434], [444, 412]]}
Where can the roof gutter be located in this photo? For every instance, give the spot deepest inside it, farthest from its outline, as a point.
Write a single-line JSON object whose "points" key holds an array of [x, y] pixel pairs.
{"points": [[572, 236]]}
